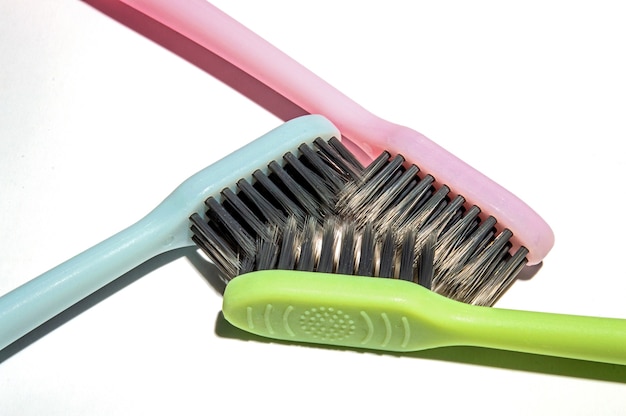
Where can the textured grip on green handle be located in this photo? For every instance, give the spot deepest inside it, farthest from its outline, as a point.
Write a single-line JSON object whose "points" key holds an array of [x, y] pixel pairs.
{"points": [[393, 315]]}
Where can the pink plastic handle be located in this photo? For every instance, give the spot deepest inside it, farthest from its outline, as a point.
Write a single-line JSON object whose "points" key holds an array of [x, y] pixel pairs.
{"points": [[206, 25]]}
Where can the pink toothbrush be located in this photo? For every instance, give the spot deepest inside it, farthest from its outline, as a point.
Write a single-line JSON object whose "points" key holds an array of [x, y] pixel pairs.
{"points": [[206, 25]]}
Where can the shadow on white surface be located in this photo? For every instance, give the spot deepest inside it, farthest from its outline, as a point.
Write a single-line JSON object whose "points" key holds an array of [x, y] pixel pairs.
{"points": [[206, 269], [200, 57]]}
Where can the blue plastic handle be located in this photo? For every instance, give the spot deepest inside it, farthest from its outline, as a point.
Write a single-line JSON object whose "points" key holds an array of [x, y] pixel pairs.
{"points": [[163, 229]]}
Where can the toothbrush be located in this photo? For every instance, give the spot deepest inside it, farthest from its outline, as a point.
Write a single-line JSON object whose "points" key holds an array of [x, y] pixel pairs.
{"points": [[165, 228], [308, 279], [209, 27], [393, 315]]}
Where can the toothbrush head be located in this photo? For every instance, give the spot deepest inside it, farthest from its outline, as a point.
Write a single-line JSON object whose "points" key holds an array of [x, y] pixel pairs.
{"points": [[341, 310], [319, 210]]}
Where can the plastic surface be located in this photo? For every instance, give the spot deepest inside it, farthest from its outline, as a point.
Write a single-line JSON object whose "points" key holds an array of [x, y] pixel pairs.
{"points": [[163, 229], [213, 29], [394, 315]]}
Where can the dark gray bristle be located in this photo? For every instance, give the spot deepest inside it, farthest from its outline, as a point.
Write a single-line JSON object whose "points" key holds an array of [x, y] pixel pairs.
{"points": [[287, 203], [257, 226], [366, 251], [345, 154], [407, 259], [266, 257], [326, 193], [215, 246], [327, 252], [327, 172], [227, 221], [271, 213], [387, 255], [333, 157], [307, 249], [310, 206], [287, 255], [426, 261], [346, 261], [319, 209]]}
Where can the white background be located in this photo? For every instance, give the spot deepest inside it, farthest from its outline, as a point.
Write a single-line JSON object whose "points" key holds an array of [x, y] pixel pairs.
{"points": [[98, 124]]}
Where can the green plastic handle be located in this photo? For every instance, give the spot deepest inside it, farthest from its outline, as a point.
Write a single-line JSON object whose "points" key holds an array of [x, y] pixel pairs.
{"points": [[394, 315]]}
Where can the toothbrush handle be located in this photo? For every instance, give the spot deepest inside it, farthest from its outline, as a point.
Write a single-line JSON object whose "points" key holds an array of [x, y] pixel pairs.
{"points": [[395, 315], [42, 298], [209, 27], [165, 228], [568, 336]]}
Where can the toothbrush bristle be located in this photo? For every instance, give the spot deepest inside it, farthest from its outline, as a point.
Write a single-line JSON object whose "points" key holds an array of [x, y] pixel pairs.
{"points": [[319, 210]]}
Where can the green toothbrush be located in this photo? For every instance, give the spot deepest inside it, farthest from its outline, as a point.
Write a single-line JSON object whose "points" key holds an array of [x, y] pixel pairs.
{"points": [[395, 315]]}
